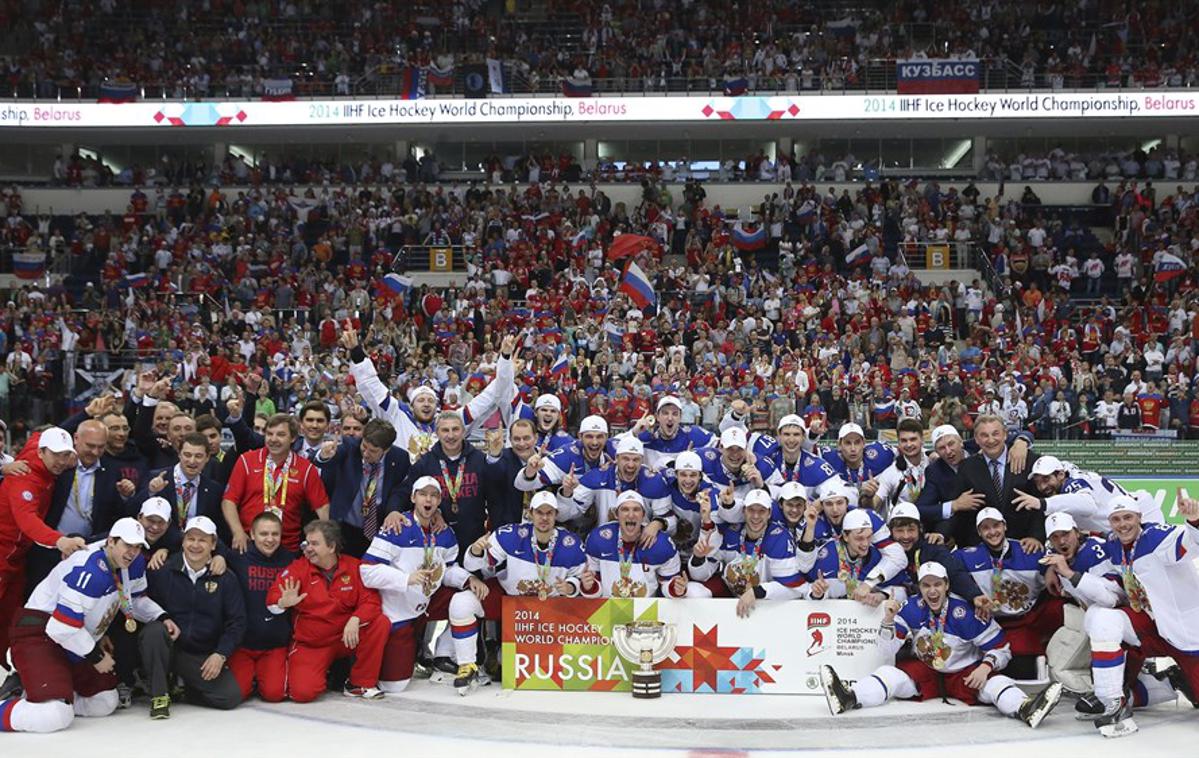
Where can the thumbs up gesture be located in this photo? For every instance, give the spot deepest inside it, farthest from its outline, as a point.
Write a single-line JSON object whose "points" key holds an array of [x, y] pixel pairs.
{"points": [[869, 488]]}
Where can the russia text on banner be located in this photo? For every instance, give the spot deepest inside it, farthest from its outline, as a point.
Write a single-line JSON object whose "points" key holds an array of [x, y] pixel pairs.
{"points": [[566, 644]]}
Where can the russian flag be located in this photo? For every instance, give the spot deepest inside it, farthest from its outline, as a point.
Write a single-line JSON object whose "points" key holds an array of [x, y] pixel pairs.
{"points": [[412, 85], [858, 255], [572, 87], [749, 241], [29, 265], [118, 92], [439, 76], [561, 366], [636, 285], [395, 285], [735, 87], [628, 245], [1168, 266], [138, 281]]}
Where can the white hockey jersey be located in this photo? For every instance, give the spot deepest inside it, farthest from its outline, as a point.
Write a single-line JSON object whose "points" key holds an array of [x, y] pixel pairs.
{"points": [[392, 557], [948, 641], [81, 596], [1158, 574], [1013, 580], [523, 568], [630, 570]]}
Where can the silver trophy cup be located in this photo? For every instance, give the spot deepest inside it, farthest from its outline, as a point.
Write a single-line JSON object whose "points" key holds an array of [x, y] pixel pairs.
{"points": [[645, 643]]}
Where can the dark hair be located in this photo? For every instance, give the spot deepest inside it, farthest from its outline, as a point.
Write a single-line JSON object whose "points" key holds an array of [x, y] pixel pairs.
{"points": [[266, 516], [194, 438], [207, 421], [910, 425], [314, 406], [379, 433]]}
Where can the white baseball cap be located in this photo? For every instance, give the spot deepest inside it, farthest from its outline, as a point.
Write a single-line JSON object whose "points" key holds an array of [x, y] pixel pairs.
{"points": [[543, 498], [593, 424], [904, 510], [833, 487], [688, 460], [1123, 503], [856, 518], [629, 444], [670, 400], [734, 436], [548, 400], [156, 506], [944, 430], [1046, 465], [1059, 522], [56, 441], [129, 531], [989, 513], [203, 523], [630, 496], [931, 568], [426, 481], [792, 490], [850, 428], [760, 498], [420, 390], [791, 420]]}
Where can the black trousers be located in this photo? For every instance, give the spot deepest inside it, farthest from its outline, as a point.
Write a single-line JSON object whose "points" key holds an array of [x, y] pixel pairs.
{"points": [[160, 658]]}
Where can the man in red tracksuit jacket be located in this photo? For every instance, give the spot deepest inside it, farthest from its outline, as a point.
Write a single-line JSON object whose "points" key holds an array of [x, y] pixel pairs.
{"points": [[333, 616], [24, 502]]}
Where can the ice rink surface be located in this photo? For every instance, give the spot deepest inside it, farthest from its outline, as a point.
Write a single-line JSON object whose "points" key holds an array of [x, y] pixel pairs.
{"points": [[432, 720]]}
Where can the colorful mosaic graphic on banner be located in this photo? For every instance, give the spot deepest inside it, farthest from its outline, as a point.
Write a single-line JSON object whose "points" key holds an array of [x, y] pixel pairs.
{"points": [[566, 644]]}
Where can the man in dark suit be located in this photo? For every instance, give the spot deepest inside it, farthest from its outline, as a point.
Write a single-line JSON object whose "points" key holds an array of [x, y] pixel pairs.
{"points": [[988, 474], [86, 501], [185, 486], [941, 497], [363, 477]]}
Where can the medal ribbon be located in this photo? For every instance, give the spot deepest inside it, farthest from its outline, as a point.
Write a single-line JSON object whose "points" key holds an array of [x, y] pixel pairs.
{"points": [[852, 568], [123, 598], [626, 562], [1137, 599], [453, 486], [77, 501], [543, 569], [750, 562], [272, 473], [430, 541]]}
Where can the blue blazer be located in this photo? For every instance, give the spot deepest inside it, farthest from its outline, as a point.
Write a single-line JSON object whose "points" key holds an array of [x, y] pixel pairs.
{"points": [[342, 477], [208, 503], [107, 505]]}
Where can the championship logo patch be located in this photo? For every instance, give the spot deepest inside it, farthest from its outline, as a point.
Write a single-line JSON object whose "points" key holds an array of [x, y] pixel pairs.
{"points": [[523, 532], [27, 496]]}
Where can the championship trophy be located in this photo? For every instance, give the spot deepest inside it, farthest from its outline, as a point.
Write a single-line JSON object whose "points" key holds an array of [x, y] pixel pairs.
{"points": [[645, 643]]}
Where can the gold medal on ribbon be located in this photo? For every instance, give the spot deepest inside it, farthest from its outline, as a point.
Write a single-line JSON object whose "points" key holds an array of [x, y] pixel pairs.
{"points": [[130, 625]]}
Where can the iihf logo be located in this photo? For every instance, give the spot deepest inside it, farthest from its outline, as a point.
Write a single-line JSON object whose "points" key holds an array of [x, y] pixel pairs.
{"points": [[817, 623]]}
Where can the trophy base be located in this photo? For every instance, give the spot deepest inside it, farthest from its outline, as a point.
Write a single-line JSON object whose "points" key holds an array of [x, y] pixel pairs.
{"points": [[647, 684]]}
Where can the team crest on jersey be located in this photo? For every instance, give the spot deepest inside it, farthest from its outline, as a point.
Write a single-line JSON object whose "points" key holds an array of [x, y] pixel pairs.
{"points": [[103, 565], [606, 533], [210, 586], [27, 496], [345, 578], [959, 613], [710, 455], [522, 532], [823, 553], [568, 541], [872, 453]]}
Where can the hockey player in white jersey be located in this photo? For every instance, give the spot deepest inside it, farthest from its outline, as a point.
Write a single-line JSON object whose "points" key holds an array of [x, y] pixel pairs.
{"points": [[414, 420], [57, 638], [620, 565], [903, 480], [1087, 577], [787, 452], [734, 471], [547, 468], [833, 497], [594, 497], [1064, 488], [954, 655], [688, 495], [844, 563], [755, 560], [539, 560], [413, 568], [1156, 567]]}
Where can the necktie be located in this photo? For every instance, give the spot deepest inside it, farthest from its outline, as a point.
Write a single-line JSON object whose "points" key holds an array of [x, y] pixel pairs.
{"points": [[185, 499], [997, 476], [370, 506]]}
